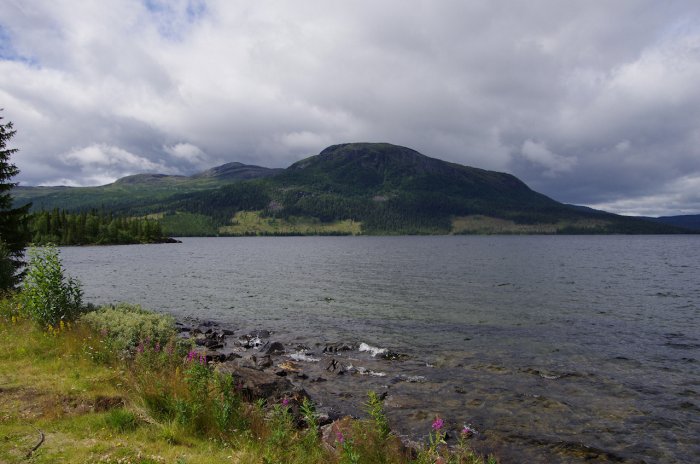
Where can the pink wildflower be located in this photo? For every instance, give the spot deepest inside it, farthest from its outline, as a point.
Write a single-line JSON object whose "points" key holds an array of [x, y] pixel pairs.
{"points": [[285, 401], [191, 355], [157, 347], [339, 437], [438, 424], [468, 431]]}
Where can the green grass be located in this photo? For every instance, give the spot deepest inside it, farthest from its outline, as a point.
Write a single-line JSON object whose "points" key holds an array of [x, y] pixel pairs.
{"points": [[158, 405], [485, 225], [253, 223]]}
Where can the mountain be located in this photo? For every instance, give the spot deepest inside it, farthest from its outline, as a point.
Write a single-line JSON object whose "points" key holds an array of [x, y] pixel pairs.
{"points": [[687, 221], [237, 171], [371, 188], [136, 191]]}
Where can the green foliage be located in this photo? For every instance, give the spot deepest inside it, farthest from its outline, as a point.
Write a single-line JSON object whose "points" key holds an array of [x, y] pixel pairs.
{"points": [[13, 221], [121, 420], [222, 203], [62, 228], [177, 408], [48, 296], [182, 224], [7, 270], [375, 409], [126, 327]]}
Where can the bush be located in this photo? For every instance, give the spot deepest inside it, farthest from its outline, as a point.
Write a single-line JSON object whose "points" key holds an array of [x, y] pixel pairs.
{"points": [[48, 296], [130, 327], [121, 420]]}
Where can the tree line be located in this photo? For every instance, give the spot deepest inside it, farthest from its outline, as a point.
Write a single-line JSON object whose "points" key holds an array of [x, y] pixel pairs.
{"points": [[91, 228]]}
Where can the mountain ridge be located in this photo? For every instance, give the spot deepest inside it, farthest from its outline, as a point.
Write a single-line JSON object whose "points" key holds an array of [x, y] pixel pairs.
{"points": [[386, 188]]}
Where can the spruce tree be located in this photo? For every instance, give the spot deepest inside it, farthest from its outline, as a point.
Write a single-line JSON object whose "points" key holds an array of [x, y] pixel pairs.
{"points": [[14, 231]]}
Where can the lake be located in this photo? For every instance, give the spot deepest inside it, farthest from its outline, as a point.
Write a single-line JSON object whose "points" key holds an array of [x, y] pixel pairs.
{"points": [[556, 348]]}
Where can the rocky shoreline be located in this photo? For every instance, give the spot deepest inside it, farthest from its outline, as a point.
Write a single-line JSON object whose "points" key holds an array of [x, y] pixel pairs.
{"points": [[275, 370]]}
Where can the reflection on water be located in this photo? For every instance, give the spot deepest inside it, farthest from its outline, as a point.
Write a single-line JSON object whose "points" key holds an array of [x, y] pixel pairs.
{"points": [[560, 349]]}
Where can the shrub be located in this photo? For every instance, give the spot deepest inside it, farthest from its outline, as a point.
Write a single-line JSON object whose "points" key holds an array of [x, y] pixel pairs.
{"points": [[121, 420], [375, 409], [48, 296], [131, 328]]}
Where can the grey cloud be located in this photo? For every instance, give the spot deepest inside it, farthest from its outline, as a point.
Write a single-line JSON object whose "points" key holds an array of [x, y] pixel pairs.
{"points": [[591, 103]]}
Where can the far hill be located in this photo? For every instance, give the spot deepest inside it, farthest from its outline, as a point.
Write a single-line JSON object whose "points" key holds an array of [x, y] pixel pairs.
{"points": [[371, 188], [237, 171], [136, 191], [688, 221]]}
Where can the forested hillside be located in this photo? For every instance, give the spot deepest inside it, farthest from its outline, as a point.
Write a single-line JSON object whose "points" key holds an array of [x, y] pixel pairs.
{"points": [[367, 188]]}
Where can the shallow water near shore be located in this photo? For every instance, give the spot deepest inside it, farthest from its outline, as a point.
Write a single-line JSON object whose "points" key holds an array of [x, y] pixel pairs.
{"points": [[557, 349]]}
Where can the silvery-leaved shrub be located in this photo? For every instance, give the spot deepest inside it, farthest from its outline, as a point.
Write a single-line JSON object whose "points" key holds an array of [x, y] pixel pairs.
{"points": [[48, 296], [130, 328]]}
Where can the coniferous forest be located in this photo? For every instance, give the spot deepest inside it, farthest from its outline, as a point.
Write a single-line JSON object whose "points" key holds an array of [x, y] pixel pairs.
{"points": [[92, 228]]}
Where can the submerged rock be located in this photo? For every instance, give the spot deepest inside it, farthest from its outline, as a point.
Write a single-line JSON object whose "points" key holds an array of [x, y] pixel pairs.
{"points": [[255, 384], [275, 348]]}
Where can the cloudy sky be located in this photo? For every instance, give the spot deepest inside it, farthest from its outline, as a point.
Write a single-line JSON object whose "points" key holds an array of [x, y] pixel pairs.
{"points": [[590, 102]]}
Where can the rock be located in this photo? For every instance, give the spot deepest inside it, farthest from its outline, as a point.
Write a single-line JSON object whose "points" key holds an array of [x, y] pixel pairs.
{"points": [[214, 356], [249, 341], [257, 384], [289, 366], [335, 366], [408, 378], [326, 415], [251, 361], [275, 348], [264, 362], [336, 347], [227, 332], [212, 344], [332, 433], [393, 356], [260, 334], [169, 240]]}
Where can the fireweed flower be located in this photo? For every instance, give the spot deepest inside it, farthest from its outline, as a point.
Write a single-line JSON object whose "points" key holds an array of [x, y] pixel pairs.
{"points": [[438, 424], [285, 401], [339, 437], [191, 355]]}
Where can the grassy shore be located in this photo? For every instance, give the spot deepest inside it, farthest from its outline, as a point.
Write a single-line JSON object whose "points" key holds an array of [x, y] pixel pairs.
{"points": [[116, 386]]}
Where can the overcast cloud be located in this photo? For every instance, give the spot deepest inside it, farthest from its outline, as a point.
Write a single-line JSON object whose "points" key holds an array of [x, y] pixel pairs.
{"points": [[589, 102]]}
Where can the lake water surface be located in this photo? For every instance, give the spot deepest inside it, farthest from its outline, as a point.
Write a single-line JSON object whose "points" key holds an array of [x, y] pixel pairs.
{"points": [[558, 349]]}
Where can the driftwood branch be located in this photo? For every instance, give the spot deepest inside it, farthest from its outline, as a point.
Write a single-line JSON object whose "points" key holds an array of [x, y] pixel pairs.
{"points": [[36, 447]]}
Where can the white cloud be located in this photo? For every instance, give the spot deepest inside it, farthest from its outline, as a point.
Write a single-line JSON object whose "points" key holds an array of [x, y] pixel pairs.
{"points": [[189, 153], [538, 153], [105, 163], [588, 102]]}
